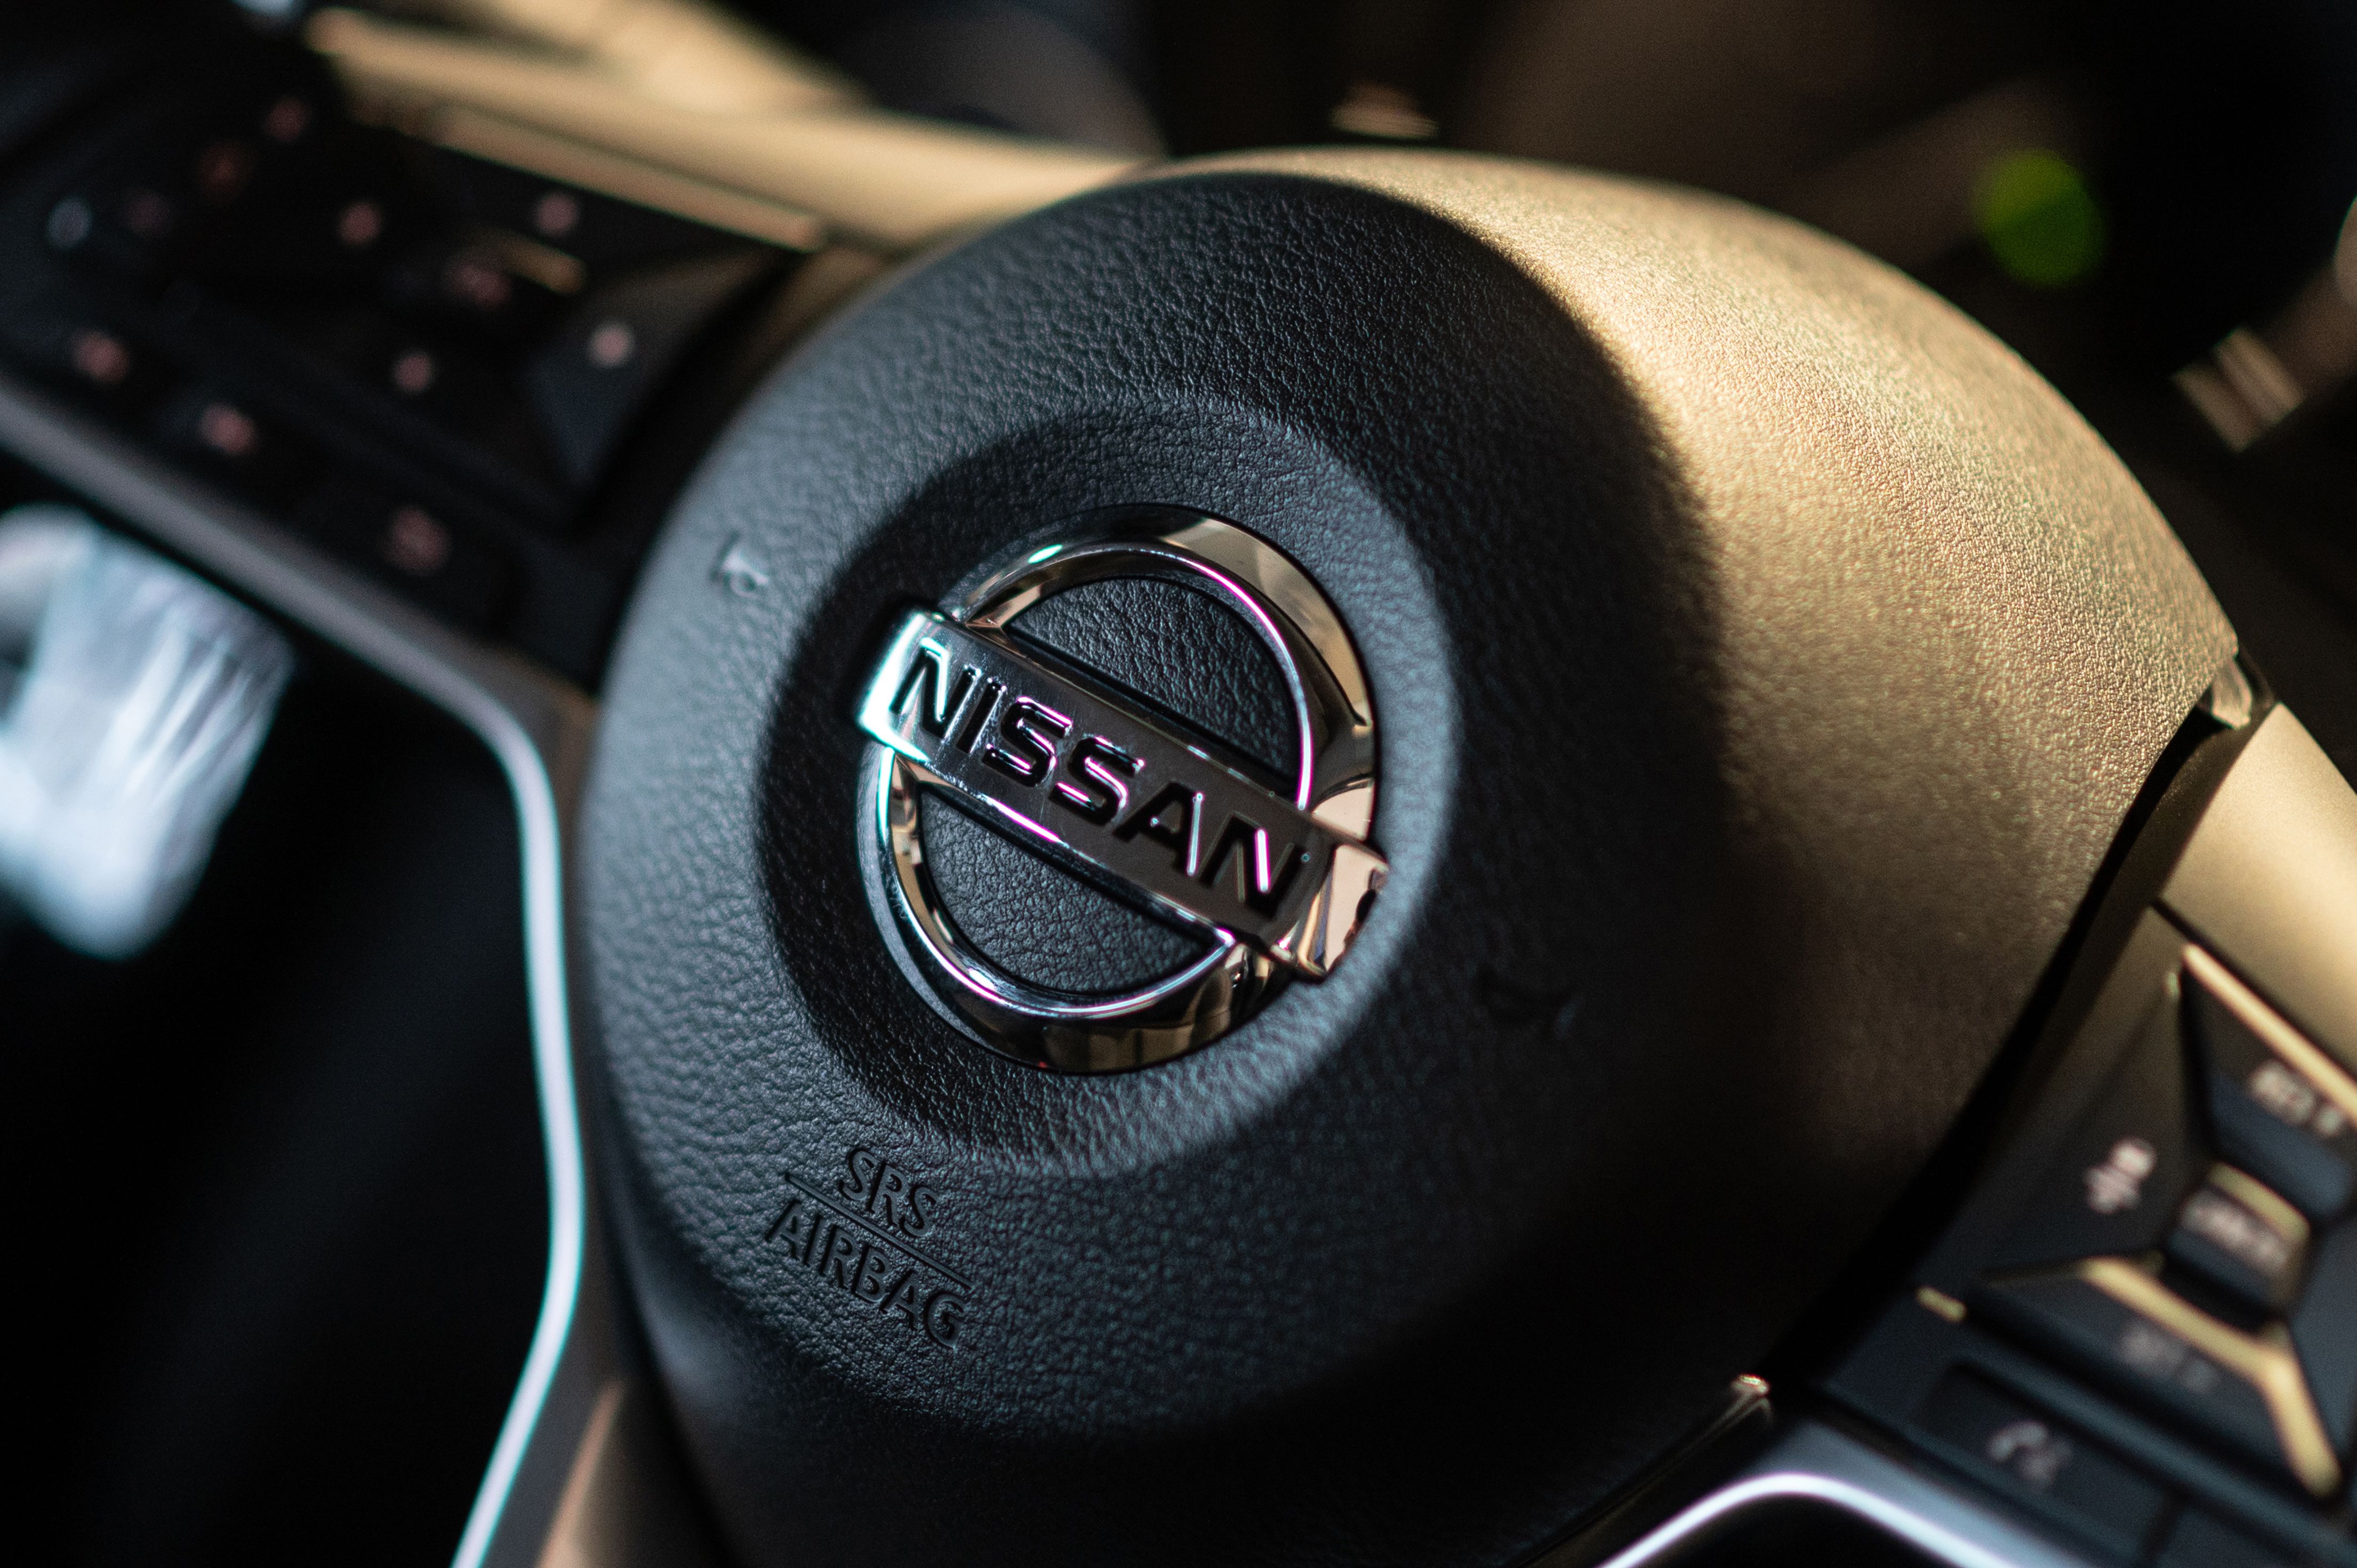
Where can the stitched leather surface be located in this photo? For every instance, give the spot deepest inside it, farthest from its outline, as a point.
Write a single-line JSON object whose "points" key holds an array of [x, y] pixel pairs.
{"points": [[1765, 659]]}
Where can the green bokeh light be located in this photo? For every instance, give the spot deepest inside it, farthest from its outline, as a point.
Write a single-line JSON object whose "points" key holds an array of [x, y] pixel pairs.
{"points": [[2040, 220]]}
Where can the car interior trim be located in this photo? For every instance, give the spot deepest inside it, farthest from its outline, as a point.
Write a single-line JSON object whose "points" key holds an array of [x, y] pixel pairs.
{"points": [[536, 724], [2269, 1024], [2268, 1363], [1819, 1463]]}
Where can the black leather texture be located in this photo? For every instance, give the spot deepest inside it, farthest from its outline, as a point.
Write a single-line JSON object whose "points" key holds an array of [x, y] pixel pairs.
{"points": [[1765, 660], [1040, 923], [1180, 651]]}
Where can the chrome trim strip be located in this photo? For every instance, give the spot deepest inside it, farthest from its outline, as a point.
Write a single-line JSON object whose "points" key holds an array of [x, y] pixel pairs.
{"points": [[1814, 1463], [536, 724]]}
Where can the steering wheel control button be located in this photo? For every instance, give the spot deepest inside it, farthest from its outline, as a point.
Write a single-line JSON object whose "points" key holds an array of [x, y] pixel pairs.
{"points": [[2234, 1327], [2281, 1108], [2241, 1238], [2198, 1541], [1271, 879], [412, 546], [599, 365], [2115, 1183], [2244, 1388], [361, 312], [222, 436], [98, 366], [2324, 1331], [2058, 1470]]}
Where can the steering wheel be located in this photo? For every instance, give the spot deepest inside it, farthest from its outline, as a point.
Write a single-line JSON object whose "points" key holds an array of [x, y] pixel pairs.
{"points": [[1365, 857], [1746, 669]]}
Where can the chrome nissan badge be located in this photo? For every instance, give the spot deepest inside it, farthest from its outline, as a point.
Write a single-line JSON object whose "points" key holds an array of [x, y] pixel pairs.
{"points": [[1274, 877]]}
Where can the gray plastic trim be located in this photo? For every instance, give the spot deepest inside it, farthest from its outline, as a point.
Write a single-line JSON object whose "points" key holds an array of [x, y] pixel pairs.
{"points": [[2269, 879]]}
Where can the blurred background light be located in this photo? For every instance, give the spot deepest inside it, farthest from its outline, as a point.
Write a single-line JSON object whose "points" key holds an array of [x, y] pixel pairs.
{"points": [[2035, 213], [136, 697]]}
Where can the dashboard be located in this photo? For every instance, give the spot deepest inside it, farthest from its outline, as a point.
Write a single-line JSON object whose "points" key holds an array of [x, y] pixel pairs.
{"points": [[424, 334]]}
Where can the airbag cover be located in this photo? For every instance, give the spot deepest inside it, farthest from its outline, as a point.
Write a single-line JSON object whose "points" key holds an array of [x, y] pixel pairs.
{"points": [[1766, 658]]}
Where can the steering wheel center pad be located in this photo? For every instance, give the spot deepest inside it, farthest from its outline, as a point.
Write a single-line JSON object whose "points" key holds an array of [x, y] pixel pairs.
{"points": [[1766, 661]]}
